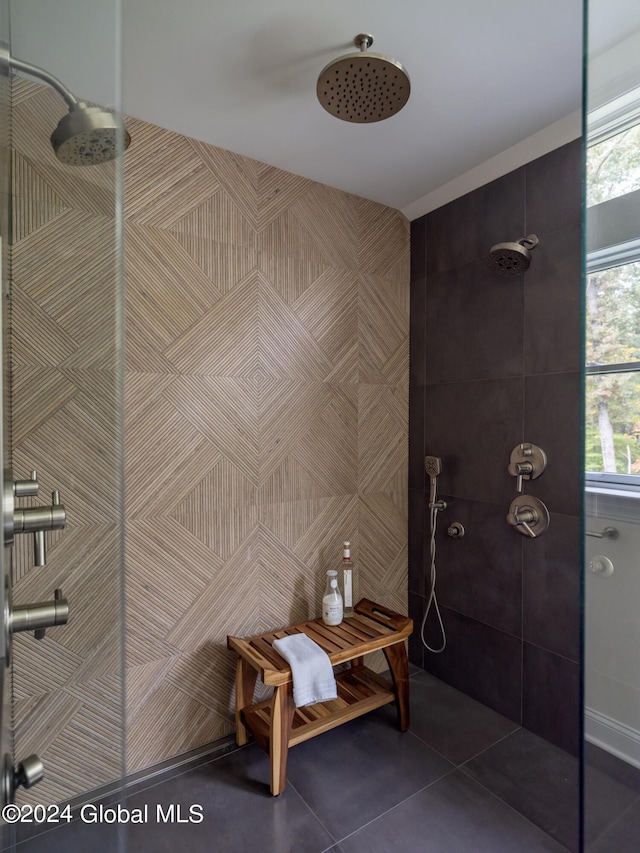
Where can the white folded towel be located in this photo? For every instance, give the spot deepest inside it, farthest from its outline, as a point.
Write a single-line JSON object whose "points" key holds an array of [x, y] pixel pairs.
{"points": [[313, 678]]}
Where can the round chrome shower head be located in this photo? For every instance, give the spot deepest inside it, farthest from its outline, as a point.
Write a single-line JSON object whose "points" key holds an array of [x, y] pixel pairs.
{"points": [[89, 135], [512, 258], [363, 87]]}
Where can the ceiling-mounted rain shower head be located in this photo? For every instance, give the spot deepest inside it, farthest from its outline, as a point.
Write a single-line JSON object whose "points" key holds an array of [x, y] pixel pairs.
{"points": [[88, 134], [363, 87], [512, 258]]}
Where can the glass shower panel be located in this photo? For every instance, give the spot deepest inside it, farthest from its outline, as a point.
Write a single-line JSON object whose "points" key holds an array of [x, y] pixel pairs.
{"points": [[65, 412], [612, 431]]}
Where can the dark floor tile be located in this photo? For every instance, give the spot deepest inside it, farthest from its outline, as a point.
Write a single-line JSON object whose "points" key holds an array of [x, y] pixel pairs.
{"points": [[536, 779], [623, 836], [474, 325], [76, 837], [454, 815], [551, 697], [355, 772], [551, 587], [480, 575], [611, 786], [479, 661], [238, 813], [453, 724], [473, 427]]}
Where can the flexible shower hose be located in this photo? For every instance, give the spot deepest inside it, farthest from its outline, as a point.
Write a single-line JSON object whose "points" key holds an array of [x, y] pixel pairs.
{"points": [[433, 601]]}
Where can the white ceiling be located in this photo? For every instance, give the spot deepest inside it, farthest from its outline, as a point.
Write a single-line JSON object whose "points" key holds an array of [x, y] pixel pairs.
{"points": [[241, 74]]}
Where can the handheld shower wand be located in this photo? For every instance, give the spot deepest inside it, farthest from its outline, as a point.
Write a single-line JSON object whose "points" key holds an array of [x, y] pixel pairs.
{"points": [[433, 467]]}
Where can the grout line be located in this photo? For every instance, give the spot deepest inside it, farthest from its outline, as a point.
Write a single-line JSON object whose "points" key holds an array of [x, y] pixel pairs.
{"points": [[633, 805], [487, 748], [397, 805], [513, 809], [321, 822]]}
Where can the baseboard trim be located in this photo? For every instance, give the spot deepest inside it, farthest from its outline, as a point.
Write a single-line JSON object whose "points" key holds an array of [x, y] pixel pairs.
{"points": [[613, 736]]}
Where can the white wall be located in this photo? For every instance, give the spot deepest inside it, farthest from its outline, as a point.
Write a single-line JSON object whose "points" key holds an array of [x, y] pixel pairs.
{"points": [[612, 641]]}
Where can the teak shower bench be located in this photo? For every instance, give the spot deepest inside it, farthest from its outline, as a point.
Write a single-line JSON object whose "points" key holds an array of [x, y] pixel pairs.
{"points": [[276, 724]]}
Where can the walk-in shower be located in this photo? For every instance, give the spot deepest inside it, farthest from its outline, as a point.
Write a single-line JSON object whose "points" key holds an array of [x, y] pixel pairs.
{"points": [[88, 134]]}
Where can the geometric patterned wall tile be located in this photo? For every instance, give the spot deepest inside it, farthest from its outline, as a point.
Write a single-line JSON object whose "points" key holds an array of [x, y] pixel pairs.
{"points": [[277, 191], [328, 309], [240, 177], [43, 203], [164, 176], [289, 256], [382, 445], [225, 254], [205, 511], [336, 233], [258, 303], [382, 327]]}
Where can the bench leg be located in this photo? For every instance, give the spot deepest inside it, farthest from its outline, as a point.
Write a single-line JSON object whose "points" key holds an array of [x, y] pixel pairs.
{"points": [[282, 711], [246, 677], [398, 661]]}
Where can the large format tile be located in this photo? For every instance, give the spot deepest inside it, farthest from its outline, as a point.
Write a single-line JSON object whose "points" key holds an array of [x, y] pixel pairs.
{"points": [[480, 574], [551, 587], [473, 427], [536, 779], [554, 189], [552, 405], [622, 836], [453, 724], [454, 815], [478, 660], [611, 787], [238, 814], [474, 324], [353, 773], [466, 228], [551, 697], [552, 304]]}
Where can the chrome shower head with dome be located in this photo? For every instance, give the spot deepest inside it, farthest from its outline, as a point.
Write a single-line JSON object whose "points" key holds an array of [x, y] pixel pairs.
{"points": [[512, 258], [88, 134], [363, 87]]}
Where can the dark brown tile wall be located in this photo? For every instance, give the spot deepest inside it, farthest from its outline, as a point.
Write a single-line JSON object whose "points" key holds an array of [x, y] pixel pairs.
{"points": [[496, 361]]}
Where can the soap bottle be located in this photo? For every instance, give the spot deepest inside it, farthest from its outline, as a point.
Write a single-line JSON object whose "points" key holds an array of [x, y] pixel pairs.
{"points": [[347, 578], [332, 600]]}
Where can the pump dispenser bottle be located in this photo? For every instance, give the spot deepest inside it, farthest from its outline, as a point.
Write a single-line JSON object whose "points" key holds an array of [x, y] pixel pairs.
{"points": [[332, 600]]}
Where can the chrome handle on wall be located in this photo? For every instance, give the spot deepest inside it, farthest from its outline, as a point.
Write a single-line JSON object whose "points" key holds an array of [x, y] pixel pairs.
{"points": [[528, 515], [30, 771], [39, 616], [527, 462], [607, 533], [34, 519]]}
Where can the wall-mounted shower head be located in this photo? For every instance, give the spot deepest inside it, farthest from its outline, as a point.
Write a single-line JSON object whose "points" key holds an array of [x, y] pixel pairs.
{"points": [[363, 87], [512, 258], [88, 134]]}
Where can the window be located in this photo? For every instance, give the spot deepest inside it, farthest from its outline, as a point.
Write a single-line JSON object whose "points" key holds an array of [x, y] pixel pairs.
{"points": [[612, 407]]}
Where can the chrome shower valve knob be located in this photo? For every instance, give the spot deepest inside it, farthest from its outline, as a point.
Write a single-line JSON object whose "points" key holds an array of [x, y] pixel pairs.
{"points": [[528, 515], [527, 462]]}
